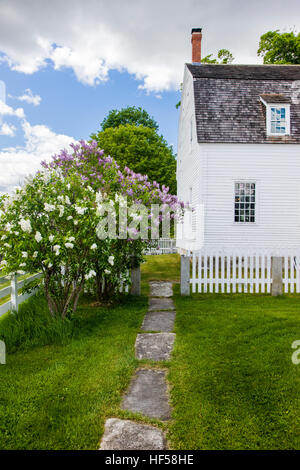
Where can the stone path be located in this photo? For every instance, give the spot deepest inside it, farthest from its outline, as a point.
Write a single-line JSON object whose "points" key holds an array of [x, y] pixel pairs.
{"points": [[159, 321], [147, 393], [121, 434], [155, 346]]}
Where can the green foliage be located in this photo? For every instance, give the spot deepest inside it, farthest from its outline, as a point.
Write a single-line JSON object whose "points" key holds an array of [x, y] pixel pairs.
{"points": [[280, 48], [49, 226], [57, 224], [129, 115], [224, 57], [142, 150]]}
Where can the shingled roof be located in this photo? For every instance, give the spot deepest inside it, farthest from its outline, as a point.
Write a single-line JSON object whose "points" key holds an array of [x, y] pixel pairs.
{"points": [[228, 107]]}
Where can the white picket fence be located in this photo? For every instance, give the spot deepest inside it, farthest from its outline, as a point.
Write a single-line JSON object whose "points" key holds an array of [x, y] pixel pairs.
{"points": [[15, 285], [12, 291], [242, 272], [162, 246]]}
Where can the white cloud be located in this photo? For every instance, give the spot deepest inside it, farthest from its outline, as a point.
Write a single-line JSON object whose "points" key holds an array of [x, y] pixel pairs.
{"points": [[88, 68], [6, 110], [2, 91], [150, 40], [40, 144], [7, 129], [28, 97]]}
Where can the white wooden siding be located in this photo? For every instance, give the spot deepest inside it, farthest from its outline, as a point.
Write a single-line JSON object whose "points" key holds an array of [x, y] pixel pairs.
{"points": [[211, 171], [276, 170]]}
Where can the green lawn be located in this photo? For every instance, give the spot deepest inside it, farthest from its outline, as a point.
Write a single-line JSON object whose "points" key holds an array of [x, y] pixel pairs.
{"points": [[233, 385], [161, 267], [58, 396]]}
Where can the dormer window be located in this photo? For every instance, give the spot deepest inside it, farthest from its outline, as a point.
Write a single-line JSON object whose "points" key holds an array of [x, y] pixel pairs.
{"points": [[277, 114], [278, 119]]}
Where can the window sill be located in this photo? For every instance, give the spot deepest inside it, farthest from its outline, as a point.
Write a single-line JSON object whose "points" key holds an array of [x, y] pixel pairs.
{"points": [[244, 224]]}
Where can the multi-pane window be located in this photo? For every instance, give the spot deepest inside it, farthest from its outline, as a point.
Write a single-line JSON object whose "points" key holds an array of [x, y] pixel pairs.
{"points": [[277, 114], [278, 120], [244, 202]]}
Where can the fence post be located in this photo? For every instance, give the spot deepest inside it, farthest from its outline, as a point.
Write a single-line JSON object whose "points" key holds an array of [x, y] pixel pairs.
{"points": [[277, 275], [136, 280], [14, 292], [184, 275], [2, 352]]}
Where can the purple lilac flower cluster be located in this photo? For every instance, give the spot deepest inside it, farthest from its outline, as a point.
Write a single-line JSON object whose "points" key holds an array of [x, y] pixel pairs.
{"points": [[104, 172]]}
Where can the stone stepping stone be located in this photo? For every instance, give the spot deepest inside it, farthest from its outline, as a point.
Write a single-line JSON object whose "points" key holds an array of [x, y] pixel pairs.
{"points": [[159, 321], [161, 289], [147, 394], [155, 346], [156, 305], [120, 434]]}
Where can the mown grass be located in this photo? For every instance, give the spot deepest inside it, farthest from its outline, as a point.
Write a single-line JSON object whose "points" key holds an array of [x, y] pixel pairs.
{"points": [[57, 396], [232, 382], [234, 385], [160, 268]]}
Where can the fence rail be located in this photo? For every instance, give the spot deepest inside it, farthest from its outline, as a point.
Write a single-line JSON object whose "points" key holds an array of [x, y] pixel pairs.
{"points": [[12, 290], [162, 246], [242, 272]]}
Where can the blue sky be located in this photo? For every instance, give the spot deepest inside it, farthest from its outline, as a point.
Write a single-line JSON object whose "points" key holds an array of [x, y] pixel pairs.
{"points": [[67, 64], [72, 108]]}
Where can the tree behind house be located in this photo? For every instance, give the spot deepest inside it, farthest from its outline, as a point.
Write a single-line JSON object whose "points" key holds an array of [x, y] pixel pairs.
{"points": [[280, 48], [130, 136]]}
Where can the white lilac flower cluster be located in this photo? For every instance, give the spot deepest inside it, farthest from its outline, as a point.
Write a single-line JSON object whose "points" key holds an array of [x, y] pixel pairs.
{"points": [[91, 274], [25, 225]]}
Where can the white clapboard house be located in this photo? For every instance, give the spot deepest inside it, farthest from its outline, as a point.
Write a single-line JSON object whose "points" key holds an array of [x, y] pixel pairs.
{"points": [[238, 161]]}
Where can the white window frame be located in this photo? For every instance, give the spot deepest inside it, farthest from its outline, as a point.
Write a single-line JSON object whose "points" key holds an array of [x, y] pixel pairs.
{"points": [[268, 117]]}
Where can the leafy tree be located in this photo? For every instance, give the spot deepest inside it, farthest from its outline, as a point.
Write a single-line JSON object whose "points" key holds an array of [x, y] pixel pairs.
{"points": [[280, 48], [129, 115], [224, 57], [142, 150]]}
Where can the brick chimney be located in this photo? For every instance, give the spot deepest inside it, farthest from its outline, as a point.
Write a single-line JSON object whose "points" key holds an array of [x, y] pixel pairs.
{"points": [[196, 44]]}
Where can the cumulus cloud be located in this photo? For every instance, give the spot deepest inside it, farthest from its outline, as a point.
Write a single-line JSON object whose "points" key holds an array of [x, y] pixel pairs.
{"points": [[2, 91], [150, 40], [28, 97], [7, 129], [40, 144], [6, 110]]}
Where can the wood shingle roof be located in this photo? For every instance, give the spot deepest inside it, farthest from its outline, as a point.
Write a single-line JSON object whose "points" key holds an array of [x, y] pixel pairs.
{"points": [[228, 107]]}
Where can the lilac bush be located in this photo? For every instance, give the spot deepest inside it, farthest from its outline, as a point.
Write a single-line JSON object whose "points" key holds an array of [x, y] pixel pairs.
{"points": [[49, 225], [54, 224], [103, 174]]}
